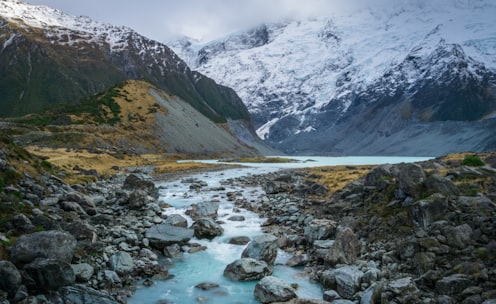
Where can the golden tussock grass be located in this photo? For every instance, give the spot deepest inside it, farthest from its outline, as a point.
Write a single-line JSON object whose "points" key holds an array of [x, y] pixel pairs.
{"points": [[336, 178], [106, 163]]}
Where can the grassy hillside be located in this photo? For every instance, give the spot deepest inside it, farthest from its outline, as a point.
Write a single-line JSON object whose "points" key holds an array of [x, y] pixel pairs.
{"points": [[131, 124]]}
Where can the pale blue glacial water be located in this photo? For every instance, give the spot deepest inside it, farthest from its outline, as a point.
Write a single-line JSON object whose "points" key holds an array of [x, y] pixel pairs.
{"points": [[208, 266]]}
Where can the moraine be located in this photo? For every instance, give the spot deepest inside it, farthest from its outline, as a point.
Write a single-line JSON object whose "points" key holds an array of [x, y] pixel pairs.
{"points": [[207, 266]]}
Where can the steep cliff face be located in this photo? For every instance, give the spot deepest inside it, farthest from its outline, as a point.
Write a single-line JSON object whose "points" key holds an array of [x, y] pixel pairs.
{"points": [[381, 80]]}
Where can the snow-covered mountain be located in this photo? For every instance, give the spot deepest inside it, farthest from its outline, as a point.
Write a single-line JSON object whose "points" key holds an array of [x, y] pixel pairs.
{"points": [[48, 58], [402, 79]]}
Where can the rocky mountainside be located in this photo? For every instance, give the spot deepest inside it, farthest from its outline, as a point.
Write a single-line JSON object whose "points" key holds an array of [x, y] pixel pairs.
{"points": [[49, 58], [417, 78], [134, 117]]}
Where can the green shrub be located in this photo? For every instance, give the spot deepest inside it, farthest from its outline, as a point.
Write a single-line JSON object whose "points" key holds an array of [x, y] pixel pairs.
{"points": [[472, 161]]}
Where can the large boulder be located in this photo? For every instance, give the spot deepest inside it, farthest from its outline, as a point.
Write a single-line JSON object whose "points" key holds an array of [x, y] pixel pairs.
{"points": [[380, 177], [247, 269], [271, 289], [49, 274], [162, 235], [262, 247], [56, 245], [428, 210], [320, 229], [206, 228], [203, 209], [345, 248], [10, 278], [134, 182], [347, 280], [443, 185], [411, 179]]}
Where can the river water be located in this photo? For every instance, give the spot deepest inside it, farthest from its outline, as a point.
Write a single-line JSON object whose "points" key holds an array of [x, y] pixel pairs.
{"points": [[191, 269]]}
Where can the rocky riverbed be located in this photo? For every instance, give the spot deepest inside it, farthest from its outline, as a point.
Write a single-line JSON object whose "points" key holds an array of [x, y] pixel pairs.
{"points": [[409, 233]]}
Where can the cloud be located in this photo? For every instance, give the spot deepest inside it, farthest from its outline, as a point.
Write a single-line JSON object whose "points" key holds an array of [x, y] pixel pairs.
{"points": [[200, 19]]}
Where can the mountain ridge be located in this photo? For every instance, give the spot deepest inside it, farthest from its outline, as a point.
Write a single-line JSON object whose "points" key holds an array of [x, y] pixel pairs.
{"points": [[302, 78], [88, 56], [49, 58]]}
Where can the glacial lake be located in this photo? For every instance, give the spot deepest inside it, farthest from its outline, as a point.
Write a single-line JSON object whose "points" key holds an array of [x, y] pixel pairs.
{"points": [[190, 269]]}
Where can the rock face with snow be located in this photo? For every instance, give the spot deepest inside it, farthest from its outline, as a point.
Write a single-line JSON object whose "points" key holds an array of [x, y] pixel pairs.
{"points": [[417, 78], [48, 58]]}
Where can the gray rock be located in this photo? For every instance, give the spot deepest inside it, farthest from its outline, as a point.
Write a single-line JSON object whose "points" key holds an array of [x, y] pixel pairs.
{"points": [[204, 209], [176, 220], [49, 274], [331, 295], [10, 278], [206, 228], [83, 271], [320, 229], [138, 199], [72, 206], [271, 289], [459, 236], [298, 260], [22, 222], [428, 210], [262, 247], [239, 240], [121, 262], [442, 185], [274, 187], [403, 286], [345, 249], [133, 182], [453, 284], [411, 179], [57, 245], [82, 200], [172, 251], [109, 276], [162, 235], [236, 218], [247, 269], [379, 177], [348, 280], [207, 286], [82, 231], [81, 294]]}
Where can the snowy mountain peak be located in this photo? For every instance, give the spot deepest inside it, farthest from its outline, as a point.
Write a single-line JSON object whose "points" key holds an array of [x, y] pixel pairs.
{"points": [[295, 73], [57, 24]]}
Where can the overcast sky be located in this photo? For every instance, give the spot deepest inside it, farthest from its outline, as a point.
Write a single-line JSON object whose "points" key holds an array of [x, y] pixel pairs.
{"points": [[200, 19]]}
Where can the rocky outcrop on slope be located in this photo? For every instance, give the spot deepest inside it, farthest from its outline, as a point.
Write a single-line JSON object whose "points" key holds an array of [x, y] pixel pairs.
{"points": [[406, 233]]}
